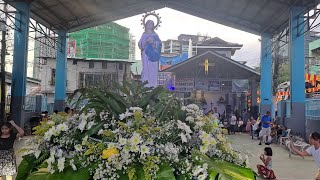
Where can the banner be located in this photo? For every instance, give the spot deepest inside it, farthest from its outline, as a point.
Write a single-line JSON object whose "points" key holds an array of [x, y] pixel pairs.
{"points": [[166, 61], [167, 80], [240, 85]]}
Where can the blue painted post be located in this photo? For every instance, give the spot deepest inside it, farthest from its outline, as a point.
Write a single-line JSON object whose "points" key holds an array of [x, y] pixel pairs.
{"points": [[266, 74], [297, 62], [20, 61], [61, 71]]}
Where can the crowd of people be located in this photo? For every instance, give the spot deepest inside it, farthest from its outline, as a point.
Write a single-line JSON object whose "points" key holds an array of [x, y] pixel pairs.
{"points": [[267, 131]]}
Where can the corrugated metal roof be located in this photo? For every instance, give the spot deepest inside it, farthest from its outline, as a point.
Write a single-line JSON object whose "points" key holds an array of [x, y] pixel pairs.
{"points": [[255, 16]]}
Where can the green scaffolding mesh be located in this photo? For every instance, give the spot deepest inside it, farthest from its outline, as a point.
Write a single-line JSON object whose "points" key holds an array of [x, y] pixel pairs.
{"points": [[108, 41]]}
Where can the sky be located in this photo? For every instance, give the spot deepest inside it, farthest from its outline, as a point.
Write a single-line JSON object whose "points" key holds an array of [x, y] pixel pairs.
{"points": [[175, 23]]}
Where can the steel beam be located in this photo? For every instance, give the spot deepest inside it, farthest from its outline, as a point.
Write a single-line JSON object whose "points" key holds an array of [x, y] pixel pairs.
{"points": [[19, 69]]}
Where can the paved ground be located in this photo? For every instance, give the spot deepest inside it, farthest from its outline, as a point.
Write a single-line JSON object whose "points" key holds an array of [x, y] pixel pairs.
{"points": [[294, 168]]}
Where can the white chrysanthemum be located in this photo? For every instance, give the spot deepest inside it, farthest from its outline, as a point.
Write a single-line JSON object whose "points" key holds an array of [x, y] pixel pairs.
{"points": [[122, 141], [78, 147], [204, 149], [111, 145], [61, 164], [134, 148], [126, 149], [149, 141], [62, 127], [144, 149], [135, 139]]}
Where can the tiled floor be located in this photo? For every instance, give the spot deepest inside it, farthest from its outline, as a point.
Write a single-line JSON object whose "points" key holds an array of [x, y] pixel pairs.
{"points": [[294, 168]]}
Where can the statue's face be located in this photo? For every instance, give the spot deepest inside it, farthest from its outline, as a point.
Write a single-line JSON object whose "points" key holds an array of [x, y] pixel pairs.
{"points": [[149, 24]]}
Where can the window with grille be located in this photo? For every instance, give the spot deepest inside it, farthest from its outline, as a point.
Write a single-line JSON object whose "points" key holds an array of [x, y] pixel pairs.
{"points": [[104, 65], [97, 79], [91, 65], [53, 76], [120, 66]]}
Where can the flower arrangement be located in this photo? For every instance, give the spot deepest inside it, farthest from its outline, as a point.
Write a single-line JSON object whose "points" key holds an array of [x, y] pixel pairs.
{"points": [[139, 143]]}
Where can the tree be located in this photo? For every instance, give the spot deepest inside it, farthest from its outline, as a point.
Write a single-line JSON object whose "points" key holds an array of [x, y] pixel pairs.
{"points": [[284, 72]]}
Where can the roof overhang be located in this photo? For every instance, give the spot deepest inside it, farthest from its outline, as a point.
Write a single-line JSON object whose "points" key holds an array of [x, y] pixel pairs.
{"points": [[252, 16]]}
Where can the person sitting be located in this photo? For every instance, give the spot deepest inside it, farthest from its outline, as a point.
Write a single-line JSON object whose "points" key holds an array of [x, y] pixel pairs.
{"points": [[45, 116], [282, 132], [265, 170]]}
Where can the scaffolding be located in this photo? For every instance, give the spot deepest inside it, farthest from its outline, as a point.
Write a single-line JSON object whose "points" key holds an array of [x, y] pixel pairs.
{"points": [[108, 41]]}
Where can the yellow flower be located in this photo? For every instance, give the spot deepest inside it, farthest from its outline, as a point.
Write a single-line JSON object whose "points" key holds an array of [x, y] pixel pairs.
{"points": [[107, 153]]}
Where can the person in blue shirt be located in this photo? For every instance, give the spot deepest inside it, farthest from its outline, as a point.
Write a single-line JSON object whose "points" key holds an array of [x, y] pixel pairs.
{"points": [[266, 127]]}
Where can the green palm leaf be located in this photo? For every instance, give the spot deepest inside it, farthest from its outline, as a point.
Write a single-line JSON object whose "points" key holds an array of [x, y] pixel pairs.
{"points": [[223, 170]]}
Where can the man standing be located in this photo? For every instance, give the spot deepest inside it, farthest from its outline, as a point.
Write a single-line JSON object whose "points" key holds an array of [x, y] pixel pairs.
{"points": [[266, 128]]}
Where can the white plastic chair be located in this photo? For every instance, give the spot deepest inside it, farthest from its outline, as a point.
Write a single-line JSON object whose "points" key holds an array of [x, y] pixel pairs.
{"points": [[283, 139]]}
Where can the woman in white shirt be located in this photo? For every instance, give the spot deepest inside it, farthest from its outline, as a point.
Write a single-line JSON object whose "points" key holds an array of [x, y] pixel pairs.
{"points": [[314, 150]]}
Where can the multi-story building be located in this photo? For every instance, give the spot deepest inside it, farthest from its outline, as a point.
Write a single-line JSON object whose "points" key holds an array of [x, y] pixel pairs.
{"points": [[43, 49], [171, 46], [132, 50], [108, 41], [214, 44], [83, 73], [194, 38]]}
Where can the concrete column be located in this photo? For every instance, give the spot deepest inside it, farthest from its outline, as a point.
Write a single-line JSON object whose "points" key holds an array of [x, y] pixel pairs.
{"points": [[266, 74], [297, 120], [61, 71], [20, 62], [254, 90]]}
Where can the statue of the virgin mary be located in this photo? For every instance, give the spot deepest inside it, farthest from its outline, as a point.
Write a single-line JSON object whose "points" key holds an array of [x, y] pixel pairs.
{"points": [[150, 46]]}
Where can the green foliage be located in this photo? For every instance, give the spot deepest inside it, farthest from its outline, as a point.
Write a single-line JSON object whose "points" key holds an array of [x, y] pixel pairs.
{"points": [[165, 173], [29, 164], [284, 73], [117, 99], [67, 174], [223, 170]]}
